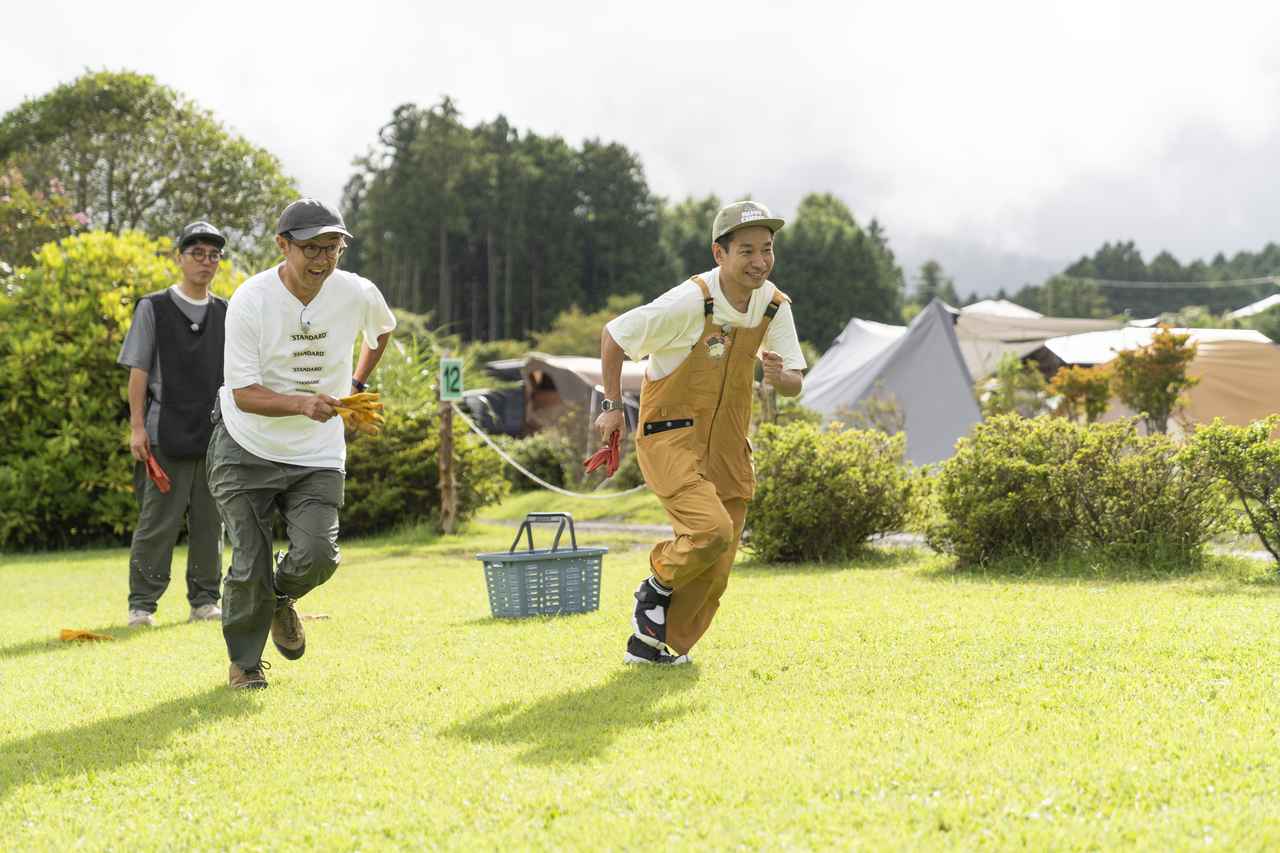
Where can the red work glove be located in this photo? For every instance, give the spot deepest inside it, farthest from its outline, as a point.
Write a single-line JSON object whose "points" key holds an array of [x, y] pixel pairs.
{"points": [[157, 475], [607, 455]]}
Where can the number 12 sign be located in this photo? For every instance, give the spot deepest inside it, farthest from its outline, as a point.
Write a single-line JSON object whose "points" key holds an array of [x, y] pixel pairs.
{"points": [[450, 379]]}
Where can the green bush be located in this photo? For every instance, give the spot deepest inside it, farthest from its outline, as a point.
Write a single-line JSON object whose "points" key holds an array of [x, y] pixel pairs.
{"points": [[999, 494], [1044, 488], [1247, 459], [394, 477], [547, 454], [65, 470], [820, 495], [1139, 499]]}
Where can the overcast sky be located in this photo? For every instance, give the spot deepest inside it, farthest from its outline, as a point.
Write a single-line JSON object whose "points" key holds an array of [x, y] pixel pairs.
{"points": [[1003, 139]]}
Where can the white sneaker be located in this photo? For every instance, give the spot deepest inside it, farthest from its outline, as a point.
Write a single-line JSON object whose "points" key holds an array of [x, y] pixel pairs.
{"points": [[141, 618], [640, 652], [205, 613]]}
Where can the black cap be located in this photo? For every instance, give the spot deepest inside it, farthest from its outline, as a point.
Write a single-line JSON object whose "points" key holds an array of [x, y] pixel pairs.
{"points": [[202, 231], [307, 218]]}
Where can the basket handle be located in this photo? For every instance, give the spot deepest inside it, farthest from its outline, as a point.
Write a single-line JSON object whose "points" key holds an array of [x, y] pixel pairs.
{"points": [[526, 529]]}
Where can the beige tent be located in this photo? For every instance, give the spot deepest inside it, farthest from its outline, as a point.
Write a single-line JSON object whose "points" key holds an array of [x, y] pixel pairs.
{"points": [[553, 383], [1239, 382]]}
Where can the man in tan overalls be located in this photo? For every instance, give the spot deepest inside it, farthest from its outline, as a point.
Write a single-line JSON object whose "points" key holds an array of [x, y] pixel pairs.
{"points": [[702, 338]]}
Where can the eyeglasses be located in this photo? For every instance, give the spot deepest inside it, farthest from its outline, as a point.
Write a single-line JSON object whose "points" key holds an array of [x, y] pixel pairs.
{"points": [[313, 250], [201, 256]]}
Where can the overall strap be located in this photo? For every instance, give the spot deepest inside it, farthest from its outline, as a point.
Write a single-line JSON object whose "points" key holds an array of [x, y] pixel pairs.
{"points": [[775, 303], [708, 303]]}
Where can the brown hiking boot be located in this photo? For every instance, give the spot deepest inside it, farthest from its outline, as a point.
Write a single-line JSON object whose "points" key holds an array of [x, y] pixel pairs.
{"points": [[286, 630], [249, 679]]}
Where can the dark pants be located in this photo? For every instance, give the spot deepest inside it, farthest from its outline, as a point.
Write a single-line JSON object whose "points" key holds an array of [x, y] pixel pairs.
{"points": [[160, 520], [249, 490]]}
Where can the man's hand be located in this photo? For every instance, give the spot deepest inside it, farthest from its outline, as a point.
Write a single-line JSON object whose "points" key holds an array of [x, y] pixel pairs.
{"points": [[609, 422], [318, 407], [772, 367], [139, 444]]}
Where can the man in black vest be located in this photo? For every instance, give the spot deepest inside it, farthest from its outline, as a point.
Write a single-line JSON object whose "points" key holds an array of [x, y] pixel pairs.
{"points": [[174, 355]]}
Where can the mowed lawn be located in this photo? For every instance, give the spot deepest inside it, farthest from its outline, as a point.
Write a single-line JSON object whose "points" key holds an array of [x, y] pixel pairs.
{"points": [[885, 704]]}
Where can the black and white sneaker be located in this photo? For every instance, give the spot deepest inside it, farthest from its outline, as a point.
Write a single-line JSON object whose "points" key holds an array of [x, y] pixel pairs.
{"points": [[641, 652], [650, 617]]}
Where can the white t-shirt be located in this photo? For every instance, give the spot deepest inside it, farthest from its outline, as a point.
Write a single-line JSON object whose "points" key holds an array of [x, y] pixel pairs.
{"points": [[667, 328], [275, 341]]}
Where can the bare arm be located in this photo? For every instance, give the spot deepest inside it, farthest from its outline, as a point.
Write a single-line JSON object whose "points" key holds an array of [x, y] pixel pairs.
{"points": [[369, 358], [611, 357], [139, 444], [260, 400], [787, 382]]}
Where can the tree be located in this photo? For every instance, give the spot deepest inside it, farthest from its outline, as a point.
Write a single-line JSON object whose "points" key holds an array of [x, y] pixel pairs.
{"points": [[31, 218], [932, 283], [1084, 390], [834, 269], [686, 235], [1016, 387], [65, 469], [576, 333], [135, 154], [1150, 380]]}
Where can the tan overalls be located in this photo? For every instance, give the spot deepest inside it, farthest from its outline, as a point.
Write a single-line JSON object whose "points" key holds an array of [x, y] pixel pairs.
{"points": [[692, 447]]}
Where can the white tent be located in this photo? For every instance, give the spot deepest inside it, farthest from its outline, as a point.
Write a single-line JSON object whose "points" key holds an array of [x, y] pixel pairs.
{"points": [[1101, 347], [921, 369], [1256, 307], [999, 308]]}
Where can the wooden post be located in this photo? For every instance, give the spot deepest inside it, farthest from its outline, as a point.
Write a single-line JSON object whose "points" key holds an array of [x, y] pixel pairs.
{"points": [[448, 485]]}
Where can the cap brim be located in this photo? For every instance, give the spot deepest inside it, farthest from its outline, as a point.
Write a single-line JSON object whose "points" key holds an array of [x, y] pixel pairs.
{"points": [[774, 225], [308, 233], [220, 242]]}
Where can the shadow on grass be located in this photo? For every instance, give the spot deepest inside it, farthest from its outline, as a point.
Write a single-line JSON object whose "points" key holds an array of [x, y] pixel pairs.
{"points": [[579, 725], [104, 746], [121, 633]]}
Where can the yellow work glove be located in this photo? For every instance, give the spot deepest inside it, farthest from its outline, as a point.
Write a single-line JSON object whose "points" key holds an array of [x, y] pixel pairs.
{"points": [[361, 412]]}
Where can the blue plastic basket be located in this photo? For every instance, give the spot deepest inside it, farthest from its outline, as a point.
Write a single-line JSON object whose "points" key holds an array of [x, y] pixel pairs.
{"points": [[540, 582]]}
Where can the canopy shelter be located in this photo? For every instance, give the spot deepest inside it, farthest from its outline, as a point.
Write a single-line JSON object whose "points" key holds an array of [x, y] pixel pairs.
{"points": [[921, 370], [555, 383], [1239, 381], [1256, 307], [1101, 347]]}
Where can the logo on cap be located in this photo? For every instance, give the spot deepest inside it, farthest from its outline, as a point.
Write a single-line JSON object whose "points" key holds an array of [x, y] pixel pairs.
{"points": [[750, 214]]}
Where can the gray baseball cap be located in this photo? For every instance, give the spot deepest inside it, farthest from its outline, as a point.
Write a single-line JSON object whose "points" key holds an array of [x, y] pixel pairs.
{"points": [[742, 214], [307, 218], [201, 231]]}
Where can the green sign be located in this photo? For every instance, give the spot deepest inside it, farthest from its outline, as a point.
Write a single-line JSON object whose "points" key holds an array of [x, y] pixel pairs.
{"points": [[450, 379]]}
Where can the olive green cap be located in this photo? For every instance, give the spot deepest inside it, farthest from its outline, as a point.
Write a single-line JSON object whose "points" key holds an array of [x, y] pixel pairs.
{"points": [[741, 214]]}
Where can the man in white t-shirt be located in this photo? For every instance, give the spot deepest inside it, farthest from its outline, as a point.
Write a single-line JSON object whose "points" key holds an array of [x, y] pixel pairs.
{"points": [[702, 339], [276, 442]]}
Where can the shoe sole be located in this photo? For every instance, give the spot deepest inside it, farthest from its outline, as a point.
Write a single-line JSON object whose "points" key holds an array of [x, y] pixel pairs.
{"points": [[629, 658], [253, 685], [290, 654]]}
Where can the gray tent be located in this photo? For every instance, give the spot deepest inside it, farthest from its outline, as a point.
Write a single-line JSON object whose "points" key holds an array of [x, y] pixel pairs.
{"points": [[923, 371]]}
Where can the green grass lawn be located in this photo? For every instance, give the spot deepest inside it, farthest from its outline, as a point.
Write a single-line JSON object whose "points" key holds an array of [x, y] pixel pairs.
{"points": [[638, 508], [890, 703]]}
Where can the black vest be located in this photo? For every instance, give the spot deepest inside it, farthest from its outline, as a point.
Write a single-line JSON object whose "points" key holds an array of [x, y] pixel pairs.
{"points": [[190, 373]]}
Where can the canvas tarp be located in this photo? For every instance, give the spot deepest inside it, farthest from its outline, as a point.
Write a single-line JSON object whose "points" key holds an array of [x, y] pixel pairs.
{"points": [[921, 370], [553, 383], [1101, 347], [985, 338], [1239, 382]]}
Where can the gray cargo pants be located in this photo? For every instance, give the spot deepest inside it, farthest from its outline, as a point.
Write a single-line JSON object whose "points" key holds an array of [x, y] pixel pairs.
{"points": [[160, 519], [249, 490]]}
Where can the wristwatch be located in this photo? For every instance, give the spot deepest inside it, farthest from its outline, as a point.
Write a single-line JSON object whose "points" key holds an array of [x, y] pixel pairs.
{"points": [[607, 405], [358, 385]]}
